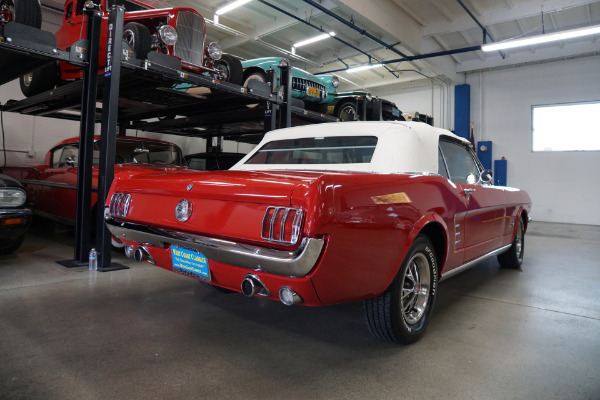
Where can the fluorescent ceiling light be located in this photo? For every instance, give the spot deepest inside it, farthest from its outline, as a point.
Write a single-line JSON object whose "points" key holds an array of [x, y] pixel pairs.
{"points": [[549, 37], [363, 68], [314, 39], [231, 6]]}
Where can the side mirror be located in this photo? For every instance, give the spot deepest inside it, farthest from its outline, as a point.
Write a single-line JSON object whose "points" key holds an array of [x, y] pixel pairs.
{"points": [[487, 175]]}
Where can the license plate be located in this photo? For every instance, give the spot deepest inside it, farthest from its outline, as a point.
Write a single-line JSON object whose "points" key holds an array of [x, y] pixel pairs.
{"points": [[313, 92], [190, 263]]}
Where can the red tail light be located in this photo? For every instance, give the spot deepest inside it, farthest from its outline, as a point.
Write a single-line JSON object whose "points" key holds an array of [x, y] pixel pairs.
{"points": [[282, 224]]}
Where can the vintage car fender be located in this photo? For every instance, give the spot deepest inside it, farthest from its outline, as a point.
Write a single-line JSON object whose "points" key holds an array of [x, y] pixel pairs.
{"points": [[439, 248]]}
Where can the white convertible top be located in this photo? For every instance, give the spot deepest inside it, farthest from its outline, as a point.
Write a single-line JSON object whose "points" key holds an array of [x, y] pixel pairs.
{"points": [[402, 147]]}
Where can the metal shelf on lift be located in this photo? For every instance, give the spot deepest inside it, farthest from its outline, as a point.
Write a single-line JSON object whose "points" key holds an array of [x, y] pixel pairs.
{"points": [[147, 92]]}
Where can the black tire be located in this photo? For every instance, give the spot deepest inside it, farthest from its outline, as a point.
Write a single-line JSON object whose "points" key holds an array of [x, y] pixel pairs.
{"points": [[513, 257], [26, 12], [39, 80], [253, 74], [8, 246], [230, 69], [346, 111], [401, 314], [138, 38]]}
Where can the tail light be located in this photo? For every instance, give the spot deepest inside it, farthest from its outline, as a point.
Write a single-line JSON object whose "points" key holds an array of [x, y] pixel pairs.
{"points": [[282, 225], [119, 204]]}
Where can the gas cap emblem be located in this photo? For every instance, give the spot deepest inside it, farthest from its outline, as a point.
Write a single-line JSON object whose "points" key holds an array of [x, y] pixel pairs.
{"points": [[190, 186], [183, 211]]}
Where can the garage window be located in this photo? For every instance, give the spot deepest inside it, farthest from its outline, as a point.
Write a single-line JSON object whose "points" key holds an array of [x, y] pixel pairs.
{"points": [[566, 127]]}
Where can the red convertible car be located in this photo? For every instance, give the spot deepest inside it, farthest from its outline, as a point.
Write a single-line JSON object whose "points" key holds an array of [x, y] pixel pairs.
{"points": [[331, 213], [51, 187]]}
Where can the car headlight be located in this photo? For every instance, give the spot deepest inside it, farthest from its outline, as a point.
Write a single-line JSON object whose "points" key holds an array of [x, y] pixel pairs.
{"points": [[214, 51], [168, 35], [12, 197], [335, 82]]}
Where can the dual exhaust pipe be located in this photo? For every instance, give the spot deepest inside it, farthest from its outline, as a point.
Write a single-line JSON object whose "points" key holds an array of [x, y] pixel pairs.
{"points": [[251, 285]]}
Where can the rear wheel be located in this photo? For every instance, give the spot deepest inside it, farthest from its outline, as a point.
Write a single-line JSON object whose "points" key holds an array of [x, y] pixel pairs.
{"points": [[230, 69], [513, 257], [139, 39], [401, 313], [39, 80], [346, 111], [252, 75], [26, 12]]}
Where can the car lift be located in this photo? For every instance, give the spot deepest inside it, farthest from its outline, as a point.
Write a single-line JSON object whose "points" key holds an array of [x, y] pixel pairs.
{"points": [[134, 91]]}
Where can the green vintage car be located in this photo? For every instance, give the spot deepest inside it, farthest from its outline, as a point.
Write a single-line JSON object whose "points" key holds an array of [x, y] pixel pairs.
{"points": [[348, 106], [316, 91]]}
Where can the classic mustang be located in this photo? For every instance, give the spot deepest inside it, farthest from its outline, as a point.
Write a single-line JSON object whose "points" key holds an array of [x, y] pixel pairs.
{"points": [[330, 213], [14, 218], [51, 187]]}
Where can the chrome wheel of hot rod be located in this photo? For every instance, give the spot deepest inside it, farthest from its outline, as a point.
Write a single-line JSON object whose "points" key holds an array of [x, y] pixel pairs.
{"points": [[402, 312], [513, 257], [138, 38]]}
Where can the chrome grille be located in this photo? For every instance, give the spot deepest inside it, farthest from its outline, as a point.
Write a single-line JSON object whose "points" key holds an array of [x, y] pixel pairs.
{"points": [[302, 85], [190, 38]]}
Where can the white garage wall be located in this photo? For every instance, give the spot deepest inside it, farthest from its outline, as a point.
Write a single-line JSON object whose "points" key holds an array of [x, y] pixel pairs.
{"points": [[564, 186]]}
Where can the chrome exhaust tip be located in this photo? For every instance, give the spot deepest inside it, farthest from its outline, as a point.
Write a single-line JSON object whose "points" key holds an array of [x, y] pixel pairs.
{"points": [[252, 286], [288, 296], [129, 251], [142, 254]]}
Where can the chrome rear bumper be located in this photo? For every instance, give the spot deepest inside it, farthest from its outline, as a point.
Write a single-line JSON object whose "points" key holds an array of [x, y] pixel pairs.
{"points": [[257, 258]]}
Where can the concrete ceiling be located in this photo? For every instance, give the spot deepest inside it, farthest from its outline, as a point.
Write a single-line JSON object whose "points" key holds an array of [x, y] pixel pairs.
{"points": [[388, 30]]}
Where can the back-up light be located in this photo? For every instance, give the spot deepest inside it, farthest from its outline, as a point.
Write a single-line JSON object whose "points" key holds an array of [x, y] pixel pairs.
{"points": [[282, 224], [119, 204]]}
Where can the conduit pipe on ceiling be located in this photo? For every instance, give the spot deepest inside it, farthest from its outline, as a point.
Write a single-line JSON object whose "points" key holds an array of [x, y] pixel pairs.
{"points": [[356, 28], [320, 29], [417, 57], [483, 28]]}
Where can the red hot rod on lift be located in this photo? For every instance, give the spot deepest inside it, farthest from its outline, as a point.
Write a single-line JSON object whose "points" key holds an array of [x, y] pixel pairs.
{"points": [[331, 213], [179, 32]]}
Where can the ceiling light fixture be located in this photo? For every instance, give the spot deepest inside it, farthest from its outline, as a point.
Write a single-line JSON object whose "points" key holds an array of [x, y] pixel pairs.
{"points": [[363, 68], [549, 37], [231, 6], [312, 40]]}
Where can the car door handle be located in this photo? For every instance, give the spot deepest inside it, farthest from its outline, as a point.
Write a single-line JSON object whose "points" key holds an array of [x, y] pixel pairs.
{"points": [[468, 191]]}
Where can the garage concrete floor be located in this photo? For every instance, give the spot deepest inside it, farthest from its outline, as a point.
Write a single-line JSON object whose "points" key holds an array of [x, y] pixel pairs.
{"points": [[145, 333]]}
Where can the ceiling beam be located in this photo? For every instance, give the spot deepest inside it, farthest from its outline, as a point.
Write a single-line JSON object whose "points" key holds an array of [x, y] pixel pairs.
{"points": [[501, 14], [392, 19]]}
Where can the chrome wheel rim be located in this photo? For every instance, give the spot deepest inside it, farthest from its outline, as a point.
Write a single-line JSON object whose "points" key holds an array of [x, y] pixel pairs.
{"points": [[519, 242], [415, 289], [347, 113], [129, 37], [27, 78]]}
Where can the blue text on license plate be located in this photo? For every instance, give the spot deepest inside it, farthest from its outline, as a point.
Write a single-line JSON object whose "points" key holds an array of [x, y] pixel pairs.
{"points": [[190, 263]]}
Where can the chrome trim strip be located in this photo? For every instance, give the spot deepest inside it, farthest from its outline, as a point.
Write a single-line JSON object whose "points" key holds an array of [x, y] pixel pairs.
{"points": [[17, 212], [279, 262], [470, 264], [53, 184]]}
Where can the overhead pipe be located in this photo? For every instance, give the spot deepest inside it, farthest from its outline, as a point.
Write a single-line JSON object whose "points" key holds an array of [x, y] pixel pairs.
{"points": [[483, 28], [412, 58], [320, 29], [351, 25]]}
